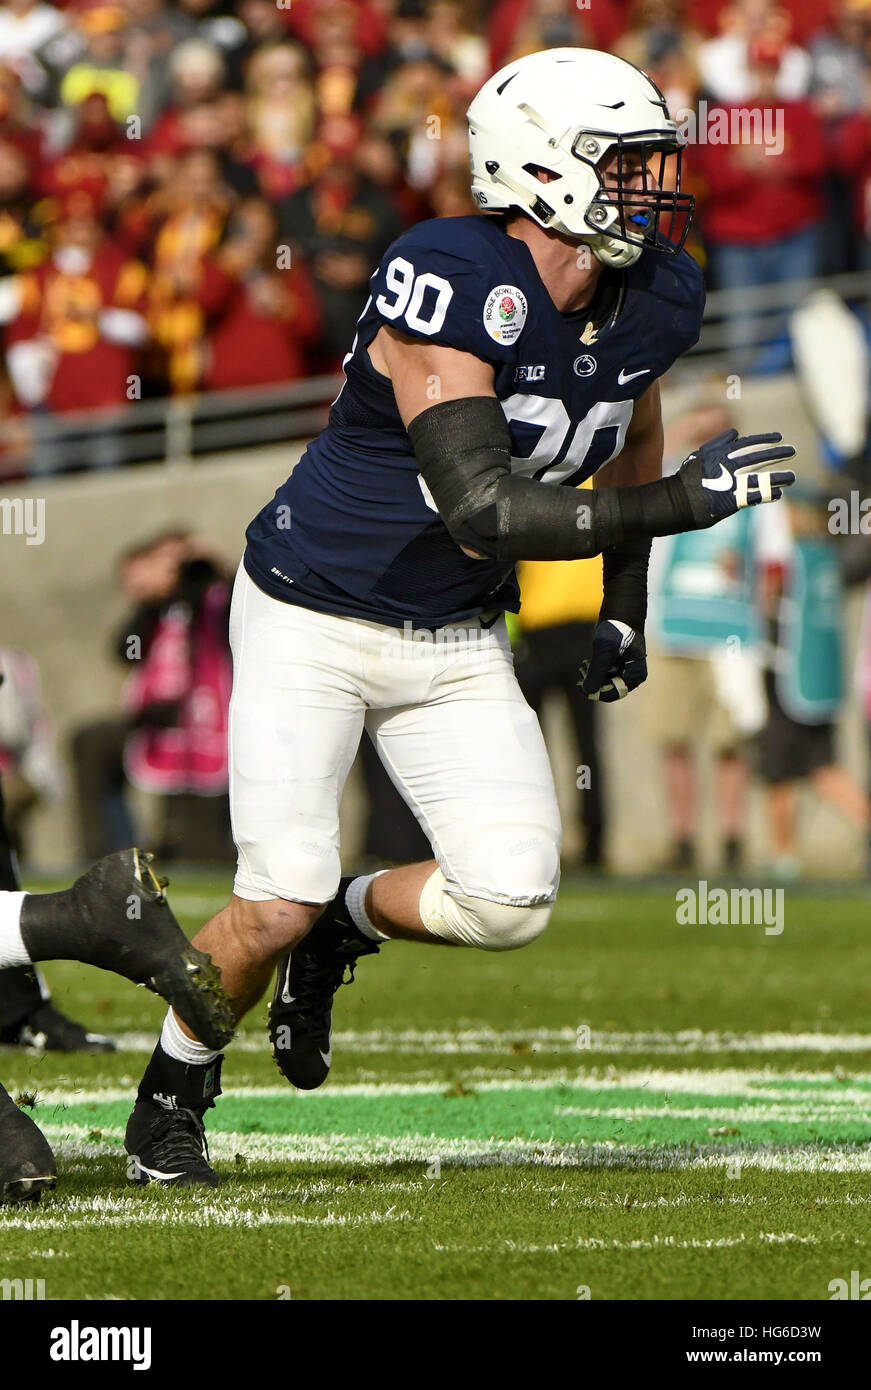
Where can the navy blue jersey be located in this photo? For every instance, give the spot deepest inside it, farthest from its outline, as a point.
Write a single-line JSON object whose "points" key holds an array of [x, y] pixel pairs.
{"points": [[354, 530]]}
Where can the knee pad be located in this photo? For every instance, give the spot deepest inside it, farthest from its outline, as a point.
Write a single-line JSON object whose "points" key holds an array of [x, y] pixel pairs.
{"points": [[480, 922]]}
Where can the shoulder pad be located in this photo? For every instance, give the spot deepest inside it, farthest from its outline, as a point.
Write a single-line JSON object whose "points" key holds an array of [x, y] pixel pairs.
{"points": [[453, 281]]}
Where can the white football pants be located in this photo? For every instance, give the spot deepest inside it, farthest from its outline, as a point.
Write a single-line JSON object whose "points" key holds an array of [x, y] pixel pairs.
{"points": [[451, 728]]}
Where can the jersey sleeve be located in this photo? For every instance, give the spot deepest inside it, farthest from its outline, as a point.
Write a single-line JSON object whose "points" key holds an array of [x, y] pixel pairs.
{"points": [[456, 295]]}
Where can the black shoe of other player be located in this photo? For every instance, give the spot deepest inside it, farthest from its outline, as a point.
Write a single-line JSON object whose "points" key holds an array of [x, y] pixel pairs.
{"points": [[168, 1146], [116, 916], [27, 1163], [48, 1030], [300, 1016]]}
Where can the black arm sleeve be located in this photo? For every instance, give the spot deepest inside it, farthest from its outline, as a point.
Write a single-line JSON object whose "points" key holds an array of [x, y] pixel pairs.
{"points": [[464, 451], [624, 579]]}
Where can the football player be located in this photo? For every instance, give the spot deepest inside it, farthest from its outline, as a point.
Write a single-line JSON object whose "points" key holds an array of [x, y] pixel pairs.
{"points": [[500, 360], [28, 1018], [115, 916]]}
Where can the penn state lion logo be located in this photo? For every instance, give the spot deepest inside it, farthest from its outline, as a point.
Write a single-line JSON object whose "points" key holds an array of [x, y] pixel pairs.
{"points": [[584, 365]]}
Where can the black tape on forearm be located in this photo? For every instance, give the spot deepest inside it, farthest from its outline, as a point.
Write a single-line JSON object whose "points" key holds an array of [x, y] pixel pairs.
{"points": [[464, 451], [624, 582]]}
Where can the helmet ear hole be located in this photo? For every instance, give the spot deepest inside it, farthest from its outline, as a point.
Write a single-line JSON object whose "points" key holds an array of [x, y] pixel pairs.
{"points": [[538, 169]]}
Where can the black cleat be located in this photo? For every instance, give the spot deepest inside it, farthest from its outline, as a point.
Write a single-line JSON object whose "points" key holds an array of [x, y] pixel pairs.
{"points": [[300, 1015], [167, 1145], [116, 916], [46, 1029], [27, 1165]]}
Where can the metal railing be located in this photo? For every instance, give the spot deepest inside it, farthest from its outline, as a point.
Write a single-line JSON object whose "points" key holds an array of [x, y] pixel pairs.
{"points": [[183, 428], [174, 431]]}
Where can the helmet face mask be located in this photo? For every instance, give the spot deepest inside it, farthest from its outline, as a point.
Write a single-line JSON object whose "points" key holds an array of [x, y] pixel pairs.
{"points": [[595, 124], [635, 205]]}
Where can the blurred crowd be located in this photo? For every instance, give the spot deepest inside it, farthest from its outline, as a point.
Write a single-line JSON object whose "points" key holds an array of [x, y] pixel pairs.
{"points": [[193, 195]]}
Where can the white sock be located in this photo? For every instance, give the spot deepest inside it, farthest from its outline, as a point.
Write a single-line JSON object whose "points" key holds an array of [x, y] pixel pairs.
{"points": [[177, 1044], [12, 948], [355, 902]]}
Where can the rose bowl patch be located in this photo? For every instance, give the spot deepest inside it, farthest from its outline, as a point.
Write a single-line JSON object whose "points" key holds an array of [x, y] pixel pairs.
{"points": [[505, 313]]}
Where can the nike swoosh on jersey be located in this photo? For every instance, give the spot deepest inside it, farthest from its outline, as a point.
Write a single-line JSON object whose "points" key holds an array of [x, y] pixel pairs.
{"points": [[630, 376], [721, 484]]}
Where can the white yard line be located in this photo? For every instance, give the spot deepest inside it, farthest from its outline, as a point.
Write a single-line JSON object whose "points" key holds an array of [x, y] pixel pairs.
{"points": [[74, 1141], [231, 1214], [548, 1040], [825, 1089]]}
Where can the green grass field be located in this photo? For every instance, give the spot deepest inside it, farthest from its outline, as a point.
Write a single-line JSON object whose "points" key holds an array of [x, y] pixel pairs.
{"points": [[628, 1109]]}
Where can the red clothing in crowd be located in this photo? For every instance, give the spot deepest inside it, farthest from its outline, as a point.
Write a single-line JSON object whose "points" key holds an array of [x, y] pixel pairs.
{"points": [[852, 157], [780, 195], [808, 17], [91, 371], [303, 18], [257, 340]]}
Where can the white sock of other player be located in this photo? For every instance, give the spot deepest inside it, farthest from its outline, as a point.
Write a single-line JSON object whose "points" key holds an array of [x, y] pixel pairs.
{"points": [[12, 948], [176, 1044], [355, 902]]}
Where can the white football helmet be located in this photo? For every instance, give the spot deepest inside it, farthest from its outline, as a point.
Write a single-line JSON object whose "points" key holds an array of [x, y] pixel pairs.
{"points": [[568, 111]]}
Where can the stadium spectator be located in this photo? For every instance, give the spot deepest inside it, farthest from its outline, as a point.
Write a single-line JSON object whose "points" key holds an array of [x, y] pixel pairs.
{"points": [[170, 737], [73, 328], [728, 63], [178, 696], [839, 56], [706, 687], [26, 28], [311, 21], [281, 116], [148, 576], [406, 39], [839, 89], [155, 35], [270, 318], [100, 65], [24, 222], [19, 122], [517, 27], [418, 111], [805, 683], [185, 291], [196, 73], [342, 222], [761, 217], [96, 140], [450, 35], [660, 40], [851, 143], [264, 23]]}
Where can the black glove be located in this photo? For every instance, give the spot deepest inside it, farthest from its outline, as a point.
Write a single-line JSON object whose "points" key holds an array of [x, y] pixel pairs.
{"points": [[718, 479], [618, 662]]}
